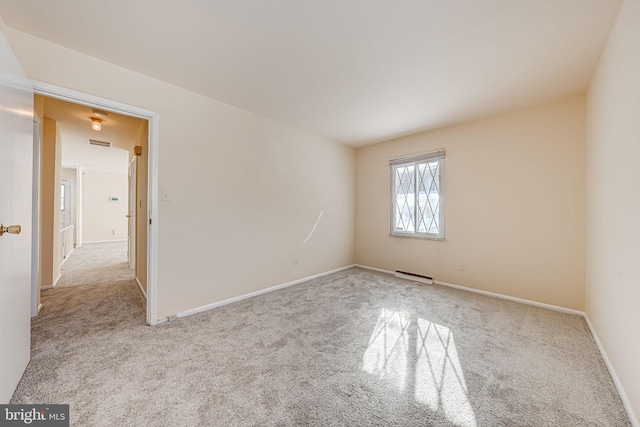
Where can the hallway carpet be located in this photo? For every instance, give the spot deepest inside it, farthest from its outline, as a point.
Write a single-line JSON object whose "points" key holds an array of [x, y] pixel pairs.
{"points": [[97, 264], [356, 348]]}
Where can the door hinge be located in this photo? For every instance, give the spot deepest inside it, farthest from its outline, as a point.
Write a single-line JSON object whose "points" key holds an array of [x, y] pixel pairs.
{"points": [[149, 221]]}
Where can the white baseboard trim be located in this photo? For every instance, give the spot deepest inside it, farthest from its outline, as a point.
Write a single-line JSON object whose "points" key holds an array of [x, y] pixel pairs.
{"points": [[487, 293], [47, 287], [614, 376], [104, 241], [141, 288], [39, 308], [55, 283], [379, 270], [510, 298], [160, 321], [249, 295]]}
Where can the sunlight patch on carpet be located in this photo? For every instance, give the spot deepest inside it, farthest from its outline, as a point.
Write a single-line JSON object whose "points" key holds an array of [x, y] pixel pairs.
{"points": [[420, 358]]}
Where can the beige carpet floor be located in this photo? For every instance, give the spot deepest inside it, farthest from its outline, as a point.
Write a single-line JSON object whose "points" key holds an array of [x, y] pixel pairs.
{"points": [[97, 264], [356, 348]]}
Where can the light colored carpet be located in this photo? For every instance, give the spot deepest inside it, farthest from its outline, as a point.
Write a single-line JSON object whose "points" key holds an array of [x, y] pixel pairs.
{"points": [[97, 264], [354, 348]]}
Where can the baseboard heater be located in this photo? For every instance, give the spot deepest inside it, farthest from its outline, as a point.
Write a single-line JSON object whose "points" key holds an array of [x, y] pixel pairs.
{"points": [[415, 277]]}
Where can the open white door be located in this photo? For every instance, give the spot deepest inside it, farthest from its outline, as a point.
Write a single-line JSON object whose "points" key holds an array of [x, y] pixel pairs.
{"points": [[131, 215], [16, 163]]}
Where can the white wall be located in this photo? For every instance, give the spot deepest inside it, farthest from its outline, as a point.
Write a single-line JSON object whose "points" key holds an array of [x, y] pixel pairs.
{"points": [[613, 201], [245, 191], [102, 219], [514, 212]]}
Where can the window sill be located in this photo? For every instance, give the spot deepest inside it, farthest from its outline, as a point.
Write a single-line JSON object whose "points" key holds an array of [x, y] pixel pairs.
{"points": [[417, 236]]}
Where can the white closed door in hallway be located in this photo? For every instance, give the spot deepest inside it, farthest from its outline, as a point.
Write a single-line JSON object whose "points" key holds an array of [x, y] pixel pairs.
{"points": [[16, 163]]}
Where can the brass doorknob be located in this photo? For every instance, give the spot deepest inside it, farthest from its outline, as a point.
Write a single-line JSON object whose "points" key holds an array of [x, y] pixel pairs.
{"points": [[12, 229]]}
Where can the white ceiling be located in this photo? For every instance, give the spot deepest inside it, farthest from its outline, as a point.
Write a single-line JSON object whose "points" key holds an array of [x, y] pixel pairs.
{"points": [[355, 71], [74, 122]]}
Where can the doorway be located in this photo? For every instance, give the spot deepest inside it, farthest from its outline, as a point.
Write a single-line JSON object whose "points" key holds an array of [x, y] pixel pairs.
{"points": [[35, 220], [131, 215], [150, 180], [66, 223], [65, 203]]}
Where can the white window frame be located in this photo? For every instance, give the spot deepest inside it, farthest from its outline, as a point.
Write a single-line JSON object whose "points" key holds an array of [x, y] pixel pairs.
{"points": [[416, 160]]}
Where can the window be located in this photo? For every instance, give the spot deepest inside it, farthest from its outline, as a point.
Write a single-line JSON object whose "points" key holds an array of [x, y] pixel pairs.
{"points": [[417, 198]]}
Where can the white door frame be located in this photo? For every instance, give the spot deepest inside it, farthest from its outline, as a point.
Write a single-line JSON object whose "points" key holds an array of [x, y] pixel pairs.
{"points": [[131, 214], [76, 97], [78, 212], [68, 202], [35, 219]]}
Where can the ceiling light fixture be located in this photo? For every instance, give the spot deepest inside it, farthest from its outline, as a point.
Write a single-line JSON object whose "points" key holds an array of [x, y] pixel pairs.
{"points": [[96, 124], [99, 114]]}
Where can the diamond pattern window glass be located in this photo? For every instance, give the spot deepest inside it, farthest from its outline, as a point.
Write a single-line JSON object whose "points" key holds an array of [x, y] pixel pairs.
{"points": [[417, 196]]}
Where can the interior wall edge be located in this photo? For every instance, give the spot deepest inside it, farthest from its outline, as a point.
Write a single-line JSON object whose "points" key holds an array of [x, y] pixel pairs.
{"points": [[614, 376]]}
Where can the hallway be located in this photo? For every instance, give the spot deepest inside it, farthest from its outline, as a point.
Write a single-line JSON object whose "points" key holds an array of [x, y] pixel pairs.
{"points": [[96, 280], [97, 297], [96, 294], [97, 264]]}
